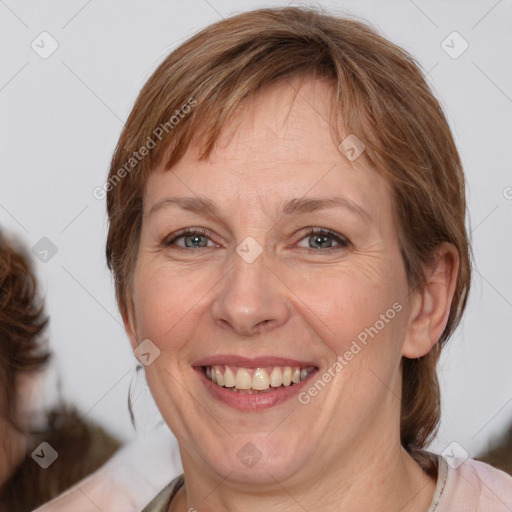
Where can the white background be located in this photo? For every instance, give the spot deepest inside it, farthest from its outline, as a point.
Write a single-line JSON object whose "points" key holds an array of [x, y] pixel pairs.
{"points": [[61, 118]]}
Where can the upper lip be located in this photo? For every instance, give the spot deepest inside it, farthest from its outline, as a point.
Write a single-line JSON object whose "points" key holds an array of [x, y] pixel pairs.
{"points": [[252, 362]]}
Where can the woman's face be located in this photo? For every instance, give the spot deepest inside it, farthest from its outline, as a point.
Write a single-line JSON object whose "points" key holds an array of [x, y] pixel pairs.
{"points": [[292, 262]]}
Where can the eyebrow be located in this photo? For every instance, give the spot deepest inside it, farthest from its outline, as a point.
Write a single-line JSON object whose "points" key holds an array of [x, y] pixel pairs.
{"points": [[202, 205], [308, 205], [192, 204]]}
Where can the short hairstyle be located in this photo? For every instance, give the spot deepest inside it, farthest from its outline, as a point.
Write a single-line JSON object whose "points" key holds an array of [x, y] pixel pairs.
{"points": [[378, 93]]}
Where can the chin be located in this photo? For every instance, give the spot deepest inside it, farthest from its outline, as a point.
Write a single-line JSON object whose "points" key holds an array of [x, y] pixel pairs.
{"points": [[260, 460]]}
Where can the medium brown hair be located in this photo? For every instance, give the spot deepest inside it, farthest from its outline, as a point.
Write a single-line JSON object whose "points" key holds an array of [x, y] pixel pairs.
{"points": [[378, 93], [82, 446], [22, 322]]}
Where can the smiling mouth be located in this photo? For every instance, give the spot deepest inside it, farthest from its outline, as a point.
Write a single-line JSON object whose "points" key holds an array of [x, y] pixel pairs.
{"points": [[256, 380]]}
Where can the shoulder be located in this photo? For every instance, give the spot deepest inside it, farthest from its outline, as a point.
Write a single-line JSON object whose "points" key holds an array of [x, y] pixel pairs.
{"points": [[162, 501], [128, 480], [474, 486]]}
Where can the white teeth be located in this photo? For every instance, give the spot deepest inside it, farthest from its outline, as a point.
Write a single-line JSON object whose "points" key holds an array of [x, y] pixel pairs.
{"points": [[276, 378], [240, 379], [243, 379], [229, 378], [287, 376], [260, 379], [220, 377]]}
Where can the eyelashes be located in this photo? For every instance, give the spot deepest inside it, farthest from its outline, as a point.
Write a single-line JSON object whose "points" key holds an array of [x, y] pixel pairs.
{"points": [[318, 239], [187, 234], [322, 234]]}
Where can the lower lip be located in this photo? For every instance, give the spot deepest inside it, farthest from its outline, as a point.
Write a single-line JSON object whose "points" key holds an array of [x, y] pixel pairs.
{"points": [[245, 401]]}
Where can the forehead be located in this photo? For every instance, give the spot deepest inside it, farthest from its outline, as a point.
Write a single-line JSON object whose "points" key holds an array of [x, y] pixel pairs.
{"points": [[278, 147]]}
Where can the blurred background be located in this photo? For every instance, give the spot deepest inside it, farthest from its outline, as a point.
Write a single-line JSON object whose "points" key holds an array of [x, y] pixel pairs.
{"points": [[70, 72]]}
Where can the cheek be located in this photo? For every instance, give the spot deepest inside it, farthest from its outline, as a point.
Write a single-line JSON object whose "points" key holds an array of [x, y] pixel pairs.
{"points": [[353, 303], [168, 301], [360, 317]]}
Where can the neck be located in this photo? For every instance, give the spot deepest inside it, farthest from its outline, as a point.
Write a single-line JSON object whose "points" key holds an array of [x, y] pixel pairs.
{"points": [[387, 479], [349, 470]]}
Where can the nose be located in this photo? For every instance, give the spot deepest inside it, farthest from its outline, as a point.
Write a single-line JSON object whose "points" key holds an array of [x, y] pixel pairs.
{"points": [[252, 299]]}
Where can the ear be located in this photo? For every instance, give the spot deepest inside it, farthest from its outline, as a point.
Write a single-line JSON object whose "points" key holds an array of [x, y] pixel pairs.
{"points": [[430, 306]]}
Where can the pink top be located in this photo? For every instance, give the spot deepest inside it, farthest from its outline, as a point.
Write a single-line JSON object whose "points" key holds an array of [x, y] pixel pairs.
{"points": [[468, 486], [472, 486]]}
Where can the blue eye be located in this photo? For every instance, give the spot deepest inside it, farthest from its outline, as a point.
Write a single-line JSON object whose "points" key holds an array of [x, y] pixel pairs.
{"points": [[319, 238], [192, 239], [195, 240], [315, 238]]}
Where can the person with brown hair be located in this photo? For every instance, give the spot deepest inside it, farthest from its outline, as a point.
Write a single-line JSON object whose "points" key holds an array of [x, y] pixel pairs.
{"points": [[80, 446], [293, 252], [286, 212]]}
